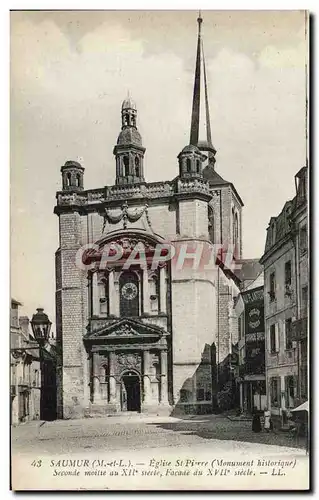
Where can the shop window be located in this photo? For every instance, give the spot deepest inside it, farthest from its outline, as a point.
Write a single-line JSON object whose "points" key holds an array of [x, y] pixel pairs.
{"points": [[275, 391], [290, 391], [185, 396], [200, 395]]}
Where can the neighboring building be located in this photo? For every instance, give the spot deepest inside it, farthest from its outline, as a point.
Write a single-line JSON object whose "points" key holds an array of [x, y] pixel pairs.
{"points": [[32, 372], [286, 281], [299, 219], [25, 376], [249, 308], [145, 339]]}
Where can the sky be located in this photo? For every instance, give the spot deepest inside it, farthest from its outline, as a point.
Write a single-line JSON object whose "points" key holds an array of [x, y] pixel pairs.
{"points": [[71, 70]]}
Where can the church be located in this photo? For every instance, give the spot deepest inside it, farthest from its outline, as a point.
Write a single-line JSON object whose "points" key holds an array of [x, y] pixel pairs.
{"points": [[145, 338]]}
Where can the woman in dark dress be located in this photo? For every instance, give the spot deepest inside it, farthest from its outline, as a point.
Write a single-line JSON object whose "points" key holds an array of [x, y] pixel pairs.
{"points": [[256, 424]]}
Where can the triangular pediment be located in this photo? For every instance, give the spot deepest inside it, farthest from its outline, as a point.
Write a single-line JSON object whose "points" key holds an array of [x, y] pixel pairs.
{"points": [[125, 327]]}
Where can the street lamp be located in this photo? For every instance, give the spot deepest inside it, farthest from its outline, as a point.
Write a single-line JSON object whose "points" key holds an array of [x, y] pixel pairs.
{"points": [[41, 326]]}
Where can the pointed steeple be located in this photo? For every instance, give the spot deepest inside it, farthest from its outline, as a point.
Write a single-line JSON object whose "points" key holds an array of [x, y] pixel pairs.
{"points": [[200, 73]]}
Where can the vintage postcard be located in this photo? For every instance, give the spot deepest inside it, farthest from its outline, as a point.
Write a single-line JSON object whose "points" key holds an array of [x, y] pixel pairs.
{"points": [[159, 186]]}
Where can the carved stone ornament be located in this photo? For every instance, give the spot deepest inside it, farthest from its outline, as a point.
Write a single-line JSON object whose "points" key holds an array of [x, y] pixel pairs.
{"points": [[129, 359], [125, 330]]}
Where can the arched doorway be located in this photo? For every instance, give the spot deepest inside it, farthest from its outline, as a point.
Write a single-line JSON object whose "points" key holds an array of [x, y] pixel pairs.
{"points": [[130, 392]]}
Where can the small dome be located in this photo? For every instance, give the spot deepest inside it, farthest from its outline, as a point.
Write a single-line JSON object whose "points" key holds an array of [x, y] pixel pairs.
{"points": [[190, 149], [72, 164], [128, 103], [130, 135]]}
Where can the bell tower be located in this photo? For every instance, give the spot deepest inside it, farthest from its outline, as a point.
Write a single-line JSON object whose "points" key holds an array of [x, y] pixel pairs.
{"points": [[129, 152]]}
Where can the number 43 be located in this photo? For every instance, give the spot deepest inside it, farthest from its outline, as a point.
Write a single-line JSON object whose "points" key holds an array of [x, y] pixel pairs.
{"points": [[36, 463]]}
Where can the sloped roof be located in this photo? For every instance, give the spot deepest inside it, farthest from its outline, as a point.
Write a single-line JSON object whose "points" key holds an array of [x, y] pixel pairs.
{"points": [[129, 135], [212, 176], [250, 269]]}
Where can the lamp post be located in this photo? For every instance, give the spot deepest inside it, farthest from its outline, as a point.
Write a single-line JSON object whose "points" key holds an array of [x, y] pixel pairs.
{"points": [[41, 326]]}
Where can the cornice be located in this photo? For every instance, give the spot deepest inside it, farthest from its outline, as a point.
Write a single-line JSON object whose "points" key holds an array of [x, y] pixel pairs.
{"points": [[95, 199]]}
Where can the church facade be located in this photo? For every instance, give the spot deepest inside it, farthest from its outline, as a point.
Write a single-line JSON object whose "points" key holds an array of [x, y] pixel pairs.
{"points": [[142, 329]]}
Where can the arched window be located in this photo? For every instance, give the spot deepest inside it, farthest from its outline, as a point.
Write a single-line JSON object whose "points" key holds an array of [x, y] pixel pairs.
{"points": [[127, 119], [137, 166], [188, 165], [104, 373], [78, 180], [68, 179], [129, 294], [153, 286], [198, 166], [126, 162]]}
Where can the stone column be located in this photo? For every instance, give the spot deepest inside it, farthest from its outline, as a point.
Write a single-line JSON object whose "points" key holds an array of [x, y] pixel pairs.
{"points": [[96, 380], [146, 294], [111, 293], [146, 378], [164, 394], [95, 295], [162, 287], [112, 378]]}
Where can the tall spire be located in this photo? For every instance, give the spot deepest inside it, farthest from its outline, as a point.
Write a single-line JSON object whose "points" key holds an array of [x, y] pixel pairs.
{"points": [[205, 145]]}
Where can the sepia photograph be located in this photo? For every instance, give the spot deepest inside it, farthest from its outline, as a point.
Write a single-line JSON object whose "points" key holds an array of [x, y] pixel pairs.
{"points": [[159, 277]]}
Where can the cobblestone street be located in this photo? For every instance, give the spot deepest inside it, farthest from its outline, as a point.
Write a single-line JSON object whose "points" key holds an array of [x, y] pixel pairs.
{"points": [[140, 432], [64, 454]]}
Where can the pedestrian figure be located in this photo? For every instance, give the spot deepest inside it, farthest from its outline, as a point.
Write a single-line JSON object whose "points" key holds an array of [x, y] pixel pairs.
{"points": [[267, 417], [256, 424]]}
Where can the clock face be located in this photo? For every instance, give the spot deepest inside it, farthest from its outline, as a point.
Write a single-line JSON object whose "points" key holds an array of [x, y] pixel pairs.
{"points": [[129, 291]]}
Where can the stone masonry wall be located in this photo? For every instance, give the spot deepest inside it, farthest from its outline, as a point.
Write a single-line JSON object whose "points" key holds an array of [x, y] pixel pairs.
{"points": [[70, 300]]}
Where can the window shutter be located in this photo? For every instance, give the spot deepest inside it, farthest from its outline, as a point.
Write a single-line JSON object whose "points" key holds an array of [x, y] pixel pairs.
{"points": [[277, 336]]}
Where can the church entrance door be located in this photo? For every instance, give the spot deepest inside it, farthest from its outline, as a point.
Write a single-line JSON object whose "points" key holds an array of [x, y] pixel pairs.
{"points": [[130, 392]]}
